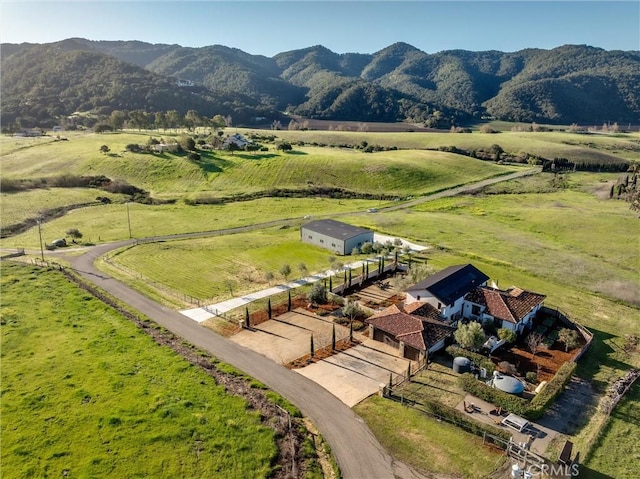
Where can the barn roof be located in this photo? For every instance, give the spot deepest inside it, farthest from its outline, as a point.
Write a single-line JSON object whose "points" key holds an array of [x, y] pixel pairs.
{"points": [[335, 229]]}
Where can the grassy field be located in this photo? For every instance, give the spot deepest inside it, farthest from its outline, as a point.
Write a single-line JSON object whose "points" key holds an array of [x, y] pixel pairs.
{"points": [[614, 452], [428, 444], [85, 391], [18, 207], [105, 223], [574, 146], [201, 268], [221, 173]]}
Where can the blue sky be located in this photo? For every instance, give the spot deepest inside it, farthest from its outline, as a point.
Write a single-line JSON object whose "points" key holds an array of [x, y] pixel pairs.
{"points": [[364, 26]]}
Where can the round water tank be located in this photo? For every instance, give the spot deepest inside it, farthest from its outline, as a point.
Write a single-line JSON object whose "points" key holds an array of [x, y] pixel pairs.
{"points": [[508, 384], [461, 365]]}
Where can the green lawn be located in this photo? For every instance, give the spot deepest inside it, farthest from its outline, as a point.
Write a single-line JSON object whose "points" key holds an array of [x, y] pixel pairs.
{"points": [[85, 391], [429, 445]]}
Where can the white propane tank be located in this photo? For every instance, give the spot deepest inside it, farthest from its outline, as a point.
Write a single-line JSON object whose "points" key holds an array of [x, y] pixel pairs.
{"points": [[515, 471]]}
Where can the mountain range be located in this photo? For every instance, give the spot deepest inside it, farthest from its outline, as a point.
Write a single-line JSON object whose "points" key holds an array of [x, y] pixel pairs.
{"points": [[570, 84]]}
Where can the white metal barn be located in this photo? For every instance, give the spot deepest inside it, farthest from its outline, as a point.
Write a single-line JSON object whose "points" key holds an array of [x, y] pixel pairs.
{"points": [[334, 235]]}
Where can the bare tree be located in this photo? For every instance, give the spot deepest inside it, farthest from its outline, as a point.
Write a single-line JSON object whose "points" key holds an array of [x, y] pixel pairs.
{"points": [[534, 341]]}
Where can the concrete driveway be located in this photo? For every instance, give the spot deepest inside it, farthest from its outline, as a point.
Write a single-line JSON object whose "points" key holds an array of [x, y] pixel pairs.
{"points": [[288, 336], [351, 376], [357, 373]]}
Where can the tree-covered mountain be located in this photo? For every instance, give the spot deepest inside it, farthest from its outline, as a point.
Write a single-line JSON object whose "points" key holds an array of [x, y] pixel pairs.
{"points": [[568, 84]]}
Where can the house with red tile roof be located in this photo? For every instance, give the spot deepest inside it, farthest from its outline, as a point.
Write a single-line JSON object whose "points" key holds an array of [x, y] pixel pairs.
{"points": [[513, 308], [416, 329]]}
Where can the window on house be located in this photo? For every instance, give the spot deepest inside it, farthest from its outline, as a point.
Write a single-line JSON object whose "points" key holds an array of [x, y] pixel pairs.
{"points": [[333, 244], [439, 305], [475, 310], [310, 236], [418, 297]]}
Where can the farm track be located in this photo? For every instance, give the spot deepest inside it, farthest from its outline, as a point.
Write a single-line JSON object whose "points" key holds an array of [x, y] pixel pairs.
{"points": [[357, 451]]}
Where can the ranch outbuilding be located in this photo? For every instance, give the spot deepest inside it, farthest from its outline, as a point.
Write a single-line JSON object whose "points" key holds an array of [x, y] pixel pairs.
{"points": [[341, 238]]}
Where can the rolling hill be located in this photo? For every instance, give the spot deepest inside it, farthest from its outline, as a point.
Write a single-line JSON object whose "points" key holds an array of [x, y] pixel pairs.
{"points": [[568, 84]]}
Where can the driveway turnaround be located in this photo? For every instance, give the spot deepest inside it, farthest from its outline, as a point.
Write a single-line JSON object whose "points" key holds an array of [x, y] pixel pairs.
{"points": [[357, 451], [357, 373]]}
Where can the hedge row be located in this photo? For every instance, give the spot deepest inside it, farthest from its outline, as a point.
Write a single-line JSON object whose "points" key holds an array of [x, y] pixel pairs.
{"points": [[478, 359], [550, 392], [506, 401]]}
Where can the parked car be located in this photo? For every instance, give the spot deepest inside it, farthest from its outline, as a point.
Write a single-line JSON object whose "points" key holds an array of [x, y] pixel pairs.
{"points": [[58, 243]]}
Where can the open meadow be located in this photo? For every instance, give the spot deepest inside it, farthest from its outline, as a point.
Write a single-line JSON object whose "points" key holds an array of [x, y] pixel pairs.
{"points": [[556, 234], [85, 393]]}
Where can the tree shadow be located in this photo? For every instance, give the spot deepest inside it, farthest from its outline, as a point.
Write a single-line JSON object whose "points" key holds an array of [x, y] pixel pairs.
{"points": [[296, 152], [210, 163], [588, 473], [256, 156]]}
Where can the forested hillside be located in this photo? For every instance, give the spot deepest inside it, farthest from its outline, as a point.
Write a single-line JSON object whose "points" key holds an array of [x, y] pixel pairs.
{"points": [[568, 84]]}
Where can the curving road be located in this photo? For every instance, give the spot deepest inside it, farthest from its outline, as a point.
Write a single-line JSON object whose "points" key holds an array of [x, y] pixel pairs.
{"points": [[354, 446], [357, 451]]}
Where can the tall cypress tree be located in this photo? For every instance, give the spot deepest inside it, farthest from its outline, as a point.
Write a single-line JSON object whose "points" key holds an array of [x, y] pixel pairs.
{"points": [[269, 307], [333, 338]]}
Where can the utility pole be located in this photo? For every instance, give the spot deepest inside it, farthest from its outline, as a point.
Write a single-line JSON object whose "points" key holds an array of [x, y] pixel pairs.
{"points": [[128, 219], [40, 235]]}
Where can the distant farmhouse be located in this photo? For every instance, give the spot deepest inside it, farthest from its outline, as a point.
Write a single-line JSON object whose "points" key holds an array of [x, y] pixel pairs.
{"points": [[434, 306], [237, 139], [341, 238]]}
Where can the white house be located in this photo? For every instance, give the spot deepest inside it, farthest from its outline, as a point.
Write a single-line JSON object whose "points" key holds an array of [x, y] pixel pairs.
{"points": [[446, 289], [237, 139], [514, 308]]}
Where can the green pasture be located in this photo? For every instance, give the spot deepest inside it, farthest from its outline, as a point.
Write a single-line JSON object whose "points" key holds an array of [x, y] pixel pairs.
{"points": [[569, 235], [202, 268], [597, 147], [219, 173], [86, 392], [104, 223], [430, 445], [398, 173], [30, 204]]}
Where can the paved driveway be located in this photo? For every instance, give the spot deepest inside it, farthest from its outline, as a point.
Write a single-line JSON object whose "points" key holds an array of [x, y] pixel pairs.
{"points": [[288, 336], [357, 373]]}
